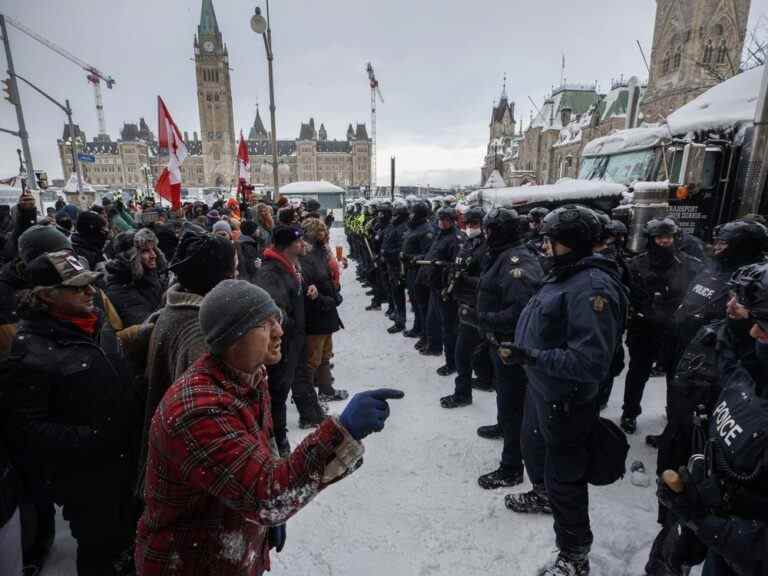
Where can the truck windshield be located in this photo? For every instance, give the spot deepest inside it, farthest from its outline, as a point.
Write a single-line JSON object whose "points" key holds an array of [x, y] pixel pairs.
{"points": [[621, 168]]}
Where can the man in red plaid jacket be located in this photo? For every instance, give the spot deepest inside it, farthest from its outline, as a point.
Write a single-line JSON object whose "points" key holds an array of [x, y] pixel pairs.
{"points": [[217, 495]]}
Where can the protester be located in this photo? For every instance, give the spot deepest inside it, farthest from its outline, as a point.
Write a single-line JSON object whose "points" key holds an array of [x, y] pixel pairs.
{"points": [[90, 237]]}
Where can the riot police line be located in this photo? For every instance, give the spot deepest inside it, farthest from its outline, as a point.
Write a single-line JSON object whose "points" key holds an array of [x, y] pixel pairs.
{"points": [[541, 307]]}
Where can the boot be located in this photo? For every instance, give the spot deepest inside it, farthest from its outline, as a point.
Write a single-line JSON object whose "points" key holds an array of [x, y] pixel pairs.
{"points": [[430, 351], [412, 333], [500, 479], [482, 385], [492, 432], [446, 370], [325, 385], [397, 327], [534, 501], [454, 401], [283, 446], [373, 306], [420, 343], [568, 564], [310, 412]]}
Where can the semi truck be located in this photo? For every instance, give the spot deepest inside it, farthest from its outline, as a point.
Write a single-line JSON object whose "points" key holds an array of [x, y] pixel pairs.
{"points": [[705, 165]]}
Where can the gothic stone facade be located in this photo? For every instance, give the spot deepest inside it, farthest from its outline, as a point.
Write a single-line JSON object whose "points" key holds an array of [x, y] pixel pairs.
{"points": [[696, 45]]}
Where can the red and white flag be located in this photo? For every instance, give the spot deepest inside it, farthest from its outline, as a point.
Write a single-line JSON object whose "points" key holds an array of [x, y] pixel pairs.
{"points": [[243, 162], [168, 185]]}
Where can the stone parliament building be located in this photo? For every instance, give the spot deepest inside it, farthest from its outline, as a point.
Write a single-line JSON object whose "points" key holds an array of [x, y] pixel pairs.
{"points": [[133, 161]]}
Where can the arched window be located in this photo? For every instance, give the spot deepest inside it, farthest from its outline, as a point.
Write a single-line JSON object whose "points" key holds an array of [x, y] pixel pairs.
{"points": [[708, 50], [678, 58], [665, 63], [722, 53]]}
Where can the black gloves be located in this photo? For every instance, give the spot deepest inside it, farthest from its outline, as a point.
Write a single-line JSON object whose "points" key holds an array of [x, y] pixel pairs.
{"points": [[511, 354]]}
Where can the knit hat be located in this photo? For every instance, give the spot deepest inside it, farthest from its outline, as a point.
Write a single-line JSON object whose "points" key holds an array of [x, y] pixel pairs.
{"points": [[249, 227], [202, 261], [89, 223], [284, 236], [222, 226], [232, 309], [38, 240]]}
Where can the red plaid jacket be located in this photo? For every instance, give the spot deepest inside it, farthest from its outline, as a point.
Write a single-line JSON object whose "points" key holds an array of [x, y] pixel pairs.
{"points": [[214, 483]]}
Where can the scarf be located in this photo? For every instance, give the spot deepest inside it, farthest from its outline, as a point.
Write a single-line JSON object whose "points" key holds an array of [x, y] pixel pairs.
{"points": [[85, 324], [272, 254]]}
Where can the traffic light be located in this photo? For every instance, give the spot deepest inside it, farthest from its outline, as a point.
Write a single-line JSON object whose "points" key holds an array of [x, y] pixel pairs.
{"points": [[8, 89], [42, 179]]}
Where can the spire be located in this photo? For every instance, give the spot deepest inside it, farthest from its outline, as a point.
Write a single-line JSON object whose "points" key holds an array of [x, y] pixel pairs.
{"points": [[208, 23], [504, 89], [258, 131]]}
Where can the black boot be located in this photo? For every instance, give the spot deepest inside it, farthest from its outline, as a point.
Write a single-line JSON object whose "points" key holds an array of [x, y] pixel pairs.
{"points": [[629, 424], [482, 385], [412, 333], [397, 327], [454, 401], [373, 306], [500, 479], [493, 432], [534, 501], [420, 343], [326, 391], [431, 351], [446, 370], [569, 564]]}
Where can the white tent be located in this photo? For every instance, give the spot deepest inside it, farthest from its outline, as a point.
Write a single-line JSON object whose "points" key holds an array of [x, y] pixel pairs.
{"points": [[309, 188]]}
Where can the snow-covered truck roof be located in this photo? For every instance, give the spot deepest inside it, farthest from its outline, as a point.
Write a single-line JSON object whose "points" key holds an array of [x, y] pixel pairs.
{"points": [[626, 141], [564, 190], [731, 102]]}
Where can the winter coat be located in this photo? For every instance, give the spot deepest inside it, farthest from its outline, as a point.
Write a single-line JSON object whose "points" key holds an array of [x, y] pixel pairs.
{"points": [[176, 343], [655, 291], [214, 481], [392, 243], [73, 415], [468, 267], [22, 220], [89, 248], [574, 323], [134, 295], [248, 255], [321, 314], [443, 249], [10, 486], [10, 283], [416, 243], [505, 287]]}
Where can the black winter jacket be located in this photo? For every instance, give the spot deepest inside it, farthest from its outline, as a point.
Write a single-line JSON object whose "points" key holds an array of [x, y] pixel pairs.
{"points": [[74, 419], [444, 249], [467, 266], [321, 314], [90, 249], [134, 298], [248, 253]]}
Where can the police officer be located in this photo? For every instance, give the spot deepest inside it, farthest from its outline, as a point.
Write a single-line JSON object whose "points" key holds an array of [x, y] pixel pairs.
{"points": [[511, 276], [462, 287], [566, 338], [416, 243], [659, 279], [434, 273], [391, 247], [381, 277]]}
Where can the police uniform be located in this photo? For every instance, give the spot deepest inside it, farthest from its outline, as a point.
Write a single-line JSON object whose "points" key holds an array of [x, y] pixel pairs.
{"points": [[505, 287], [391, 246], [416, 244], [573, 324]]}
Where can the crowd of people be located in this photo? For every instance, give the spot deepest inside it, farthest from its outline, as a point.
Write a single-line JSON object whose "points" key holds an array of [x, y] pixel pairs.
{"points": [[147, 357], [537, 307]]}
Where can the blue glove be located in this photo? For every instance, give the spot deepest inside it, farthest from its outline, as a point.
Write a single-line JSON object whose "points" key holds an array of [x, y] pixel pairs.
{"points": [[277, 537], [367, 412]]}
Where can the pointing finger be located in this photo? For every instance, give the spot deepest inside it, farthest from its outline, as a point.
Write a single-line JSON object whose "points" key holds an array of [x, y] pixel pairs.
{"points": [[387, 394]]}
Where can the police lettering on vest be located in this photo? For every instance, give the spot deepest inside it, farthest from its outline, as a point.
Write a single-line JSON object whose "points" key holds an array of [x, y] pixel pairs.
{"points": [[725, 424]]}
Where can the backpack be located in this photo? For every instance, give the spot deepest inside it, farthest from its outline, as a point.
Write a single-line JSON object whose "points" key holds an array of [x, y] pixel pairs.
{"points": [[608, 453]]}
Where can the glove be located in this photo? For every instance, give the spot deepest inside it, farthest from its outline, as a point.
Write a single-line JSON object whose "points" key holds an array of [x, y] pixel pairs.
{"points": [[687, 505], [277, 536], [511, 354], [367, 412]]}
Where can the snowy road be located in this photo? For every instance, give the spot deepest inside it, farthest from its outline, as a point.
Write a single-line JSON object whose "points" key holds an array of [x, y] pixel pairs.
{"points": [[414, 508]]}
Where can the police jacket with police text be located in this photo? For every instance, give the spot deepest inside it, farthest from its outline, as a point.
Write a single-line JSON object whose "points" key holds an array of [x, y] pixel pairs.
{"points": [[574, 323], [505, 287]]}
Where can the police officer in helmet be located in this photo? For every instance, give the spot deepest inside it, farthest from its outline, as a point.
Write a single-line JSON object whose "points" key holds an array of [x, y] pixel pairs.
{"points": [[566, 338]]}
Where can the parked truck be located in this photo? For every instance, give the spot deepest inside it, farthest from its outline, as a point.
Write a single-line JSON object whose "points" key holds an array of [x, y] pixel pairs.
{"points": [[704, 166]]}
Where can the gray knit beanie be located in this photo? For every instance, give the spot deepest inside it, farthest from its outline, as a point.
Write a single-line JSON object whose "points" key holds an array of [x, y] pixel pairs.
{"points": [[38, 240], [231, 310]]}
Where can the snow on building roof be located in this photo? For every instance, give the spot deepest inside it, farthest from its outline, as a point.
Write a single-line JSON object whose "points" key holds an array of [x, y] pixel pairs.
{"points": [[578, 99], [626, 141], [564, 190], [726, 104], [306, 187]]}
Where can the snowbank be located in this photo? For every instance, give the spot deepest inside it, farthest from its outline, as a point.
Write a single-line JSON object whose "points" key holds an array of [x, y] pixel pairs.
{"points": [[728, 103], [565, 190], [319, 187], [626, 141]]}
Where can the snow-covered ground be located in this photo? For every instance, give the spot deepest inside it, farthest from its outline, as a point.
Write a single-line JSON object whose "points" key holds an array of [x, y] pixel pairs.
{"points": [[414, 508]]}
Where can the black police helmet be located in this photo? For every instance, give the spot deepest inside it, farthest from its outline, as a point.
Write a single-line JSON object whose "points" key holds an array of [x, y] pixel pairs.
{"points": [[574, 226], [446, 213], [618, 228], [537, 214], [751, 286], [747, 240], [385, 207], [419, 210], [474, 215], [400, 208], [501, 217], [661, 227]]}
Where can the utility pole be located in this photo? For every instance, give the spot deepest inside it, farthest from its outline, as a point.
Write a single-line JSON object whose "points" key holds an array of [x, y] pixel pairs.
{"points": [[23, 136], [392, 175]]}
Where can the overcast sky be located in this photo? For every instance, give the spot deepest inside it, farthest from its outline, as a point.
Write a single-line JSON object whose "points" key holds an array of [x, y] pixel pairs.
{"points": [[440, 64]]}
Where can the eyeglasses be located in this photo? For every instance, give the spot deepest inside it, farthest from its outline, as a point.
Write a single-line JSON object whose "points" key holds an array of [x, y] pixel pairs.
{"points": [[75, 289]]}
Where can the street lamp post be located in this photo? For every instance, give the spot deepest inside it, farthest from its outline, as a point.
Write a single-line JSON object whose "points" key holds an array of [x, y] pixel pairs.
{"points": [[262, 26]]}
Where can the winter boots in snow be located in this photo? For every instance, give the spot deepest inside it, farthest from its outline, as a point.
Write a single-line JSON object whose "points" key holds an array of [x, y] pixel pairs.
{"points": [[568, 564], [482, 385], [629, 424], [500, 479], [324, 381], [412, 333], [454, 401], [534, 501], [492, 432], [446, 370]]}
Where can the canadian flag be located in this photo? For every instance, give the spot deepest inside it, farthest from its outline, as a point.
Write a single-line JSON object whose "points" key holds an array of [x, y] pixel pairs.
{"points": [[244, 170], [168, 185]]}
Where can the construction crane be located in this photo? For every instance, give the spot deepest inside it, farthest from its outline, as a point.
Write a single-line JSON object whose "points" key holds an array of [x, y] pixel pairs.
{"points": [[375, 94], [93, 75]]}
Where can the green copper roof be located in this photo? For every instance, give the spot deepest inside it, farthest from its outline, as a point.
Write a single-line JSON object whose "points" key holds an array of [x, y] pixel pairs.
{"points": [[208, 24]]}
